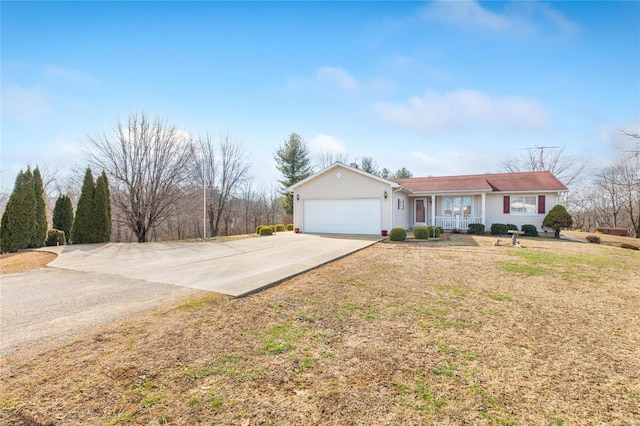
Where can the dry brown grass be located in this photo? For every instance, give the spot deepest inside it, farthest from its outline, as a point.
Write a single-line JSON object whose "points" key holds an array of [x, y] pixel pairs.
{"points": [[463, 333], [24, 261]]}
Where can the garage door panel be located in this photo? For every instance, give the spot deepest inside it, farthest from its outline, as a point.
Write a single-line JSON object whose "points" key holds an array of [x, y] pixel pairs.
{"points": [[361, 216]]}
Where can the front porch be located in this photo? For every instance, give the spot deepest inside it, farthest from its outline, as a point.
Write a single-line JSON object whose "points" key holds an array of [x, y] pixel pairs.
{"points": [[449, 211]]}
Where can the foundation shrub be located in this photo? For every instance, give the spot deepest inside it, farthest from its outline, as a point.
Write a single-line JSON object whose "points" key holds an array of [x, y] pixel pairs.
{"points": [[530, 230], [280, 227], [499, 229], [421, 233], [266, 230], [511, 227], [289, 227], [398, 234], [431, 234], [476, 229]]}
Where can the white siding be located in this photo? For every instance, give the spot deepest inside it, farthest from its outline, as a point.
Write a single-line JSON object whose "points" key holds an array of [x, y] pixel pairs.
{"points": [[403, 212], [339, 183], [495, 213]]}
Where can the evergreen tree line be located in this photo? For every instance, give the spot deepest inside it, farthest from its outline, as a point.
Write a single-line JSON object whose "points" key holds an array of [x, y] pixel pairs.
{"points": [[24, 222]]}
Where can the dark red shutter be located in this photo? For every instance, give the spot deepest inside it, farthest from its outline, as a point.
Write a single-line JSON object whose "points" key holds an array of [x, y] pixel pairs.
{"points": [[541, 206], [506, 205]]}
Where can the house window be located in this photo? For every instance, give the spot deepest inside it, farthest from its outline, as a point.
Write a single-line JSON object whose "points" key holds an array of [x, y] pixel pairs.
{"points": [[527, 204], [457, 206]]}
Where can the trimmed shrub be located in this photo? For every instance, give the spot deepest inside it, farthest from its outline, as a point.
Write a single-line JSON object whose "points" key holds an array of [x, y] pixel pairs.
{"points": [[55, 237], [398, 234], [511, 227], [421, 233], [530, 230], [430, 232], [499, 229], [273, 229], [476, 229], [280, 227], [258, 228], [558, 218], [289, 227], [594, 239], [629, 246], [266, 230]]}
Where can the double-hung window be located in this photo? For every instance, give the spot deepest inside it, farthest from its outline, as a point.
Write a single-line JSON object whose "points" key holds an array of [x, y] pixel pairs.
{"points": [[526, 204]]}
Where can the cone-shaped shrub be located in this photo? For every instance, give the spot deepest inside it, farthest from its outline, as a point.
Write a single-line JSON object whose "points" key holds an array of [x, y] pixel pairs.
{"points": [[40, 215], [63, 215], [83, 229], [18, 220], [102, 206]]}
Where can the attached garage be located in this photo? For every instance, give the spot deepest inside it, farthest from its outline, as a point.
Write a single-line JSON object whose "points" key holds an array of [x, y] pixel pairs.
{"points": [[343, 200], [340, 216]]}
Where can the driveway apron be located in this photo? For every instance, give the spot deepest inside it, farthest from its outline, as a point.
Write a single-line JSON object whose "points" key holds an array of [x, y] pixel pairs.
{"points": [[233, 268]]}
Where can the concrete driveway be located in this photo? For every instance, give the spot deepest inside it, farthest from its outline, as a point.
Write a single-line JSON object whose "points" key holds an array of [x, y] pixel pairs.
{"points": [[90, 285], [233, 268]]}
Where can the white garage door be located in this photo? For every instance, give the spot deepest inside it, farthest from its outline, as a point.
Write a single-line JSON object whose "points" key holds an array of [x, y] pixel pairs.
{"points": [[342, 216]]}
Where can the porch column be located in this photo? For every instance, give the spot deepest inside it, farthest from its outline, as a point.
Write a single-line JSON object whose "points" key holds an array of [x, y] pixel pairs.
{"points": [[433, 211], [483, 215]]}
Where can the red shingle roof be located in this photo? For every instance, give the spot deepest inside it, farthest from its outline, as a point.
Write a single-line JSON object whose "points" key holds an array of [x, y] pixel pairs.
{"points": [[507, 182]]}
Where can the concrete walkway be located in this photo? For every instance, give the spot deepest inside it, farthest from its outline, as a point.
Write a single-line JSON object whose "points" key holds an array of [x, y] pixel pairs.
{"points": [[233, 268]]}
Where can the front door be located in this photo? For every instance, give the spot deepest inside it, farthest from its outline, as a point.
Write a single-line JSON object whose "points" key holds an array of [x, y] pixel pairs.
{"points": [[420, 212]]}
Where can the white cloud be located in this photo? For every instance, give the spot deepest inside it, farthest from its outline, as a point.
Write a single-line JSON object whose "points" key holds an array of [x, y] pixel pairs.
{"points": [[65, 73], [452, 162], [327, 144], [465, 13], [337, 77], [464, 109], [25, 103], [518, 17]]}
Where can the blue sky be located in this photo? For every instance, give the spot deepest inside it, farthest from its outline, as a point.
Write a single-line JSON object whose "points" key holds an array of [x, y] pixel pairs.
{"points": [[442, 88]]}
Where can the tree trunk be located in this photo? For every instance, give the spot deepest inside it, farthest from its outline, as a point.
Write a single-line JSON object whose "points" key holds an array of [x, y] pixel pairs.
{"points": [[557, 234]]}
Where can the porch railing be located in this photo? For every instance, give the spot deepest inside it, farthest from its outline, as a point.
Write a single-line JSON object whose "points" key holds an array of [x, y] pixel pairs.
{"points": [[453, 222]]}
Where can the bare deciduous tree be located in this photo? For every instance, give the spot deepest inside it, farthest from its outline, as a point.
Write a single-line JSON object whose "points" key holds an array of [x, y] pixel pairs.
{"points": [[148, 162], [568, 170], [325, 158], [607, 186], [223, 169]]}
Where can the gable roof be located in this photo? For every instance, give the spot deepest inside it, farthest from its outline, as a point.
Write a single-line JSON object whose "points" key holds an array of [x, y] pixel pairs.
{"points": [[501, 182], [338, 164]]}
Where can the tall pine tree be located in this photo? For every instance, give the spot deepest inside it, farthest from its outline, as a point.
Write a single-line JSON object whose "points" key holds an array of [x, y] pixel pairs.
{"points": [[40, 214], [16, 226], [294, 163], [83, 229], [102, 205], [63, 215]]}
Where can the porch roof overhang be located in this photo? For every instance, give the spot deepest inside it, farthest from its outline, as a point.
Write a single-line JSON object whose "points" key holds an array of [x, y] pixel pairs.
{"points": [[454, 192]]}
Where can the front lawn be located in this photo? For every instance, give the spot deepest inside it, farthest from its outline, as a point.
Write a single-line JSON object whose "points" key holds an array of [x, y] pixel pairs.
{"points": [[548, 333]]}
